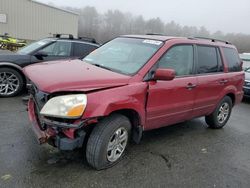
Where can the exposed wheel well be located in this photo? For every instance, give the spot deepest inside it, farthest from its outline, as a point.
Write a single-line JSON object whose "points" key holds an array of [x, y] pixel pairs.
{"points": [[16, 69], [135, 120], [232, 96], [132, 115]]}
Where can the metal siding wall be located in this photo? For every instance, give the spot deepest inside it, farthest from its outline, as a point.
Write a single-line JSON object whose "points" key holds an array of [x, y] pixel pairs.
{"points": [[30, 20]]}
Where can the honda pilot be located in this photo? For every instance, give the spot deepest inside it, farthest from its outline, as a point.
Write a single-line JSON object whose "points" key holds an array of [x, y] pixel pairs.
{"points": [[130, 85]]}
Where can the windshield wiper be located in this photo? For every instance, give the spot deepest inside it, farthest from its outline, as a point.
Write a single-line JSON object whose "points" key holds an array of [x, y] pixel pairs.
{"points": [[107, 68], [101, 66]]}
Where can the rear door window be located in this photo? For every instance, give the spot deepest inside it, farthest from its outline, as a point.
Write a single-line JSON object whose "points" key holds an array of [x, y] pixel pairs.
{"points": [[209, 60], [82, 49], [233, 60]]}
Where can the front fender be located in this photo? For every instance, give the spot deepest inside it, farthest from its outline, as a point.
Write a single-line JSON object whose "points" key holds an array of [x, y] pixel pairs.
{"points": [[10, 65], [104, 102]]}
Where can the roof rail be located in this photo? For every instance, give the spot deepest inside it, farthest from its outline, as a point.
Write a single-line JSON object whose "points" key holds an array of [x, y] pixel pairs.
{"points": [[155, 34], [87, 39], [70, 36], [212, 39]]}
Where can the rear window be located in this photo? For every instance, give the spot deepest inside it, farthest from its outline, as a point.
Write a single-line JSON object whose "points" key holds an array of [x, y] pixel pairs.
{"points": [[209, 60], [233, 60], [82, 49]]}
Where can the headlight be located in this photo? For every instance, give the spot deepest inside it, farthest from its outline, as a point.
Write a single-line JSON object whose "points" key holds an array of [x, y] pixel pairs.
{"points": [[67, 106]]}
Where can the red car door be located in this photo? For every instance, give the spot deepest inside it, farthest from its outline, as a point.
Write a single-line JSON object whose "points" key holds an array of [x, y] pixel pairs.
{"points": [[211, 80], [172, 101]]}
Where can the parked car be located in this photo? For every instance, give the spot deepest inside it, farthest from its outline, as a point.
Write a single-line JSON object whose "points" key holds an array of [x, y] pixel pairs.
{"points": [[246, 86], [12, 80], [130, 85], [245, 57]]}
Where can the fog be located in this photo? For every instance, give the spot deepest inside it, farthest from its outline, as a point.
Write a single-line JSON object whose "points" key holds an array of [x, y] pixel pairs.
{"points": [[224, 15]]}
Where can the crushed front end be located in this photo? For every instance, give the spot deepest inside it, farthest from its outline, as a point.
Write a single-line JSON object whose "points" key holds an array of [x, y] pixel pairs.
{"points": [[63, 133]]}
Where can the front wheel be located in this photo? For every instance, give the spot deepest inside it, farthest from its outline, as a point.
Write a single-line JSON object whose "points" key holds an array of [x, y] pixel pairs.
{"points": [[11, 82], [221, 114], [108, 141]]}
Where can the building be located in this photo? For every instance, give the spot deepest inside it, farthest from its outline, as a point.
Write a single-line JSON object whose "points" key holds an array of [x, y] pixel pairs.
{"points": [[32, 20]]}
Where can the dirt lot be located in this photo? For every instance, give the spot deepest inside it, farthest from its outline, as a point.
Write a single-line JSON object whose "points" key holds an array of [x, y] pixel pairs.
{"points": [[183, 155]]}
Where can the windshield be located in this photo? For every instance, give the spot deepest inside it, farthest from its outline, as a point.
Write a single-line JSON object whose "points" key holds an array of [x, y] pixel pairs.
{"points": [[124, 55], [247, 70], [32, 47]]}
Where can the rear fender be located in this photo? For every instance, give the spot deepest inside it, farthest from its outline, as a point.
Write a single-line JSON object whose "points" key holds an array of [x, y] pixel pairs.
{"points": [[230, 91]]}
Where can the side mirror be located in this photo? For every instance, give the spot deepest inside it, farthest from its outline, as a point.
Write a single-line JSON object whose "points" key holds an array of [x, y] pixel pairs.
{"points": [[164, 74], [40, 55]]}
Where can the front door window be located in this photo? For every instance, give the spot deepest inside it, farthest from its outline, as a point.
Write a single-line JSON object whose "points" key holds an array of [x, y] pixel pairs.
{"points": [[58, 48]]}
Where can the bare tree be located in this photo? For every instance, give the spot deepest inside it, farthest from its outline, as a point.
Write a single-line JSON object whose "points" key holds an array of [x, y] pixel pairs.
{"points": [[113, 23]]}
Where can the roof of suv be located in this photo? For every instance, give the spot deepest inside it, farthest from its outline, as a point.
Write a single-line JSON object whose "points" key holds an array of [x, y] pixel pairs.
{"points": [[76, 40], [152, 37], [70, 37], [166, 38]]}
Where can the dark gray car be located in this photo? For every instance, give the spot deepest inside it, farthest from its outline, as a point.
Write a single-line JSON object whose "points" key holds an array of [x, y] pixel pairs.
{"points": [[12, 80]]}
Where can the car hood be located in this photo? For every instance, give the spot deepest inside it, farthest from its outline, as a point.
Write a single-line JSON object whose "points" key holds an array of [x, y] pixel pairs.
{"points": [[72, 75], [5, 52]]}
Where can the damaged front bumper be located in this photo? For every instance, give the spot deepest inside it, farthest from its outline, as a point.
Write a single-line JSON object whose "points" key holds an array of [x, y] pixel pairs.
{"points": [[64, 136], [41, 136]]}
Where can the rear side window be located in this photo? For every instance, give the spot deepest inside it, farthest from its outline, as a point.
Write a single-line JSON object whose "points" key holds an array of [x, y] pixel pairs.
{"points": [[233, 60], [209, 60], [82, 49]]}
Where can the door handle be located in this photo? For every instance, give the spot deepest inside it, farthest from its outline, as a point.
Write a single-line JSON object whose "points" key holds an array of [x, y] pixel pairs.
{"points": [[191, 86], [223, 81]]}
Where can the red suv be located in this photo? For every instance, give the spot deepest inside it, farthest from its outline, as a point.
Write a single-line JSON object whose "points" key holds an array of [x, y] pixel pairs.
{"points": [[130, 85]]}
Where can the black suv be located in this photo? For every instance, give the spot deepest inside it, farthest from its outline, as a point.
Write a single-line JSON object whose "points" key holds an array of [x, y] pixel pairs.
{"points": [[12, 80]]}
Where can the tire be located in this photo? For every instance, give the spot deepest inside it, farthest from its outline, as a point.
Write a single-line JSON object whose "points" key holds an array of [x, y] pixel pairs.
{"points": [[12, 80], [104, 135], [221, 114]]}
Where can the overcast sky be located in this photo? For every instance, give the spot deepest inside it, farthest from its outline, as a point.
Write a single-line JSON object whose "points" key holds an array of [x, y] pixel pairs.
{"points": [[224, 15]]}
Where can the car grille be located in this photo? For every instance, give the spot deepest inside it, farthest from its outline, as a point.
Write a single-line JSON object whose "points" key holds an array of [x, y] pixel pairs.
{"points": [[39, 97]]}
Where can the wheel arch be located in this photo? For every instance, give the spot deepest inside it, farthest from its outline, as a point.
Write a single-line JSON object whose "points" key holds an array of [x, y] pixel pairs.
{"points": [[131, 114], [230, 91], [232, 96], [15, 67], [136, 122]]}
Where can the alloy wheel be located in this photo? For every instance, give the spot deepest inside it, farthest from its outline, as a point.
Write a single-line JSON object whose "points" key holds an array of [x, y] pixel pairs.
{"points": [[117, 144], [223, 112], [9, 83]]}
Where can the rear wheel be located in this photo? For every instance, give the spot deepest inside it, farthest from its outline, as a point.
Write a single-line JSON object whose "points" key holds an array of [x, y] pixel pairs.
{"points": [[108, 141], [221, 114], [11, 82]]}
